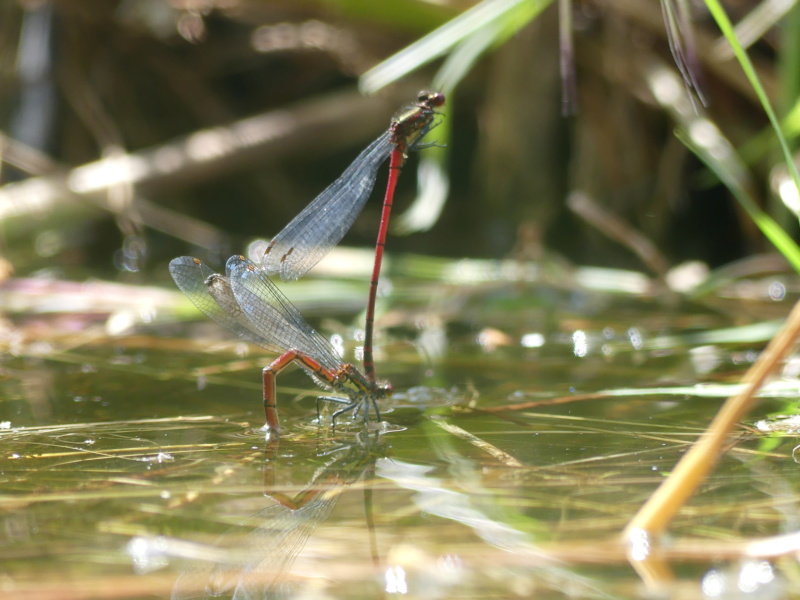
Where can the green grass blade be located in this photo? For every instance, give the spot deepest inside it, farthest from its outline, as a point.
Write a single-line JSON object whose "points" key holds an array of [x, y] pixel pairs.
{"points": [[442, 40], [716, 10], [714, 159]]}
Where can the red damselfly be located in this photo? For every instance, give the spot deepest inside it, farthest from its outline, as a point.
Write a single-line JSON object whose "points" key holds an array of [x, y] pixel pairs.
{"points": [[407, 129], [249, 304], [323, 223]]}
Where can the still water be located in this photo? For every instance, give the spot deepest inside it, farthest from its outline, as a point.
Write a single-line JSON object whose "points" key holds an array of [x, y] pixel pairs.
{"points": [[528, 426]]}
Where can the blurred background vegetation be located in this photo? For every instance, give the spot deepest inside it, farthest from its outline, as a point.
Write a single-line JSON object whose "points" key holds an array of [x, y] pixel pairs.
{"points": [[220, 119]]}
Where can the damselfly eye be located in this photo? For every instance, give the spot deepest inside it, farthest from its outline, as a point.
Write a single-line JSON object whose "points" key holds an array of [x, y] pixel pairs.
{"points": [[428, 99]]}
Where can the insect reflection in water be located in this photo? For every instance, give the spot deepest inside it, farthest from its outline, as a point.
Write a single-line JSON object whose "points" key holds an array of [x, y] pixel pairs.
{"points": [[256, 565]]}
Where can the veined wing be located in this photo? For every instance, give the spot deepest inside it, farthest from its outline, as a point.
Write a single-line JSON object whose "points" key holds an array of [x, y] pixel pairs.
{"points": [[324, 222], [212, 294], [273, 316]]}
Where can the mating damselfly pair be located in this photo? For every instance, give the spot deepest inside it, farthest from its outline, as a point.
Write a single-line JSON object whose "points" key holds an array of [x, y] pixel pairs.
{"points": [[247, 302]]}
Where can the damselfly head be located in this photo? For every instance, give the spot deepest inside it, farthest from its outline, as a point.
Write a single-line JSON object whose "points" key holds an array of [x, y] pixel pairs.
{"points": [[384, 389], [219, 287], [411, 124], [215, 280], [428, 99]]}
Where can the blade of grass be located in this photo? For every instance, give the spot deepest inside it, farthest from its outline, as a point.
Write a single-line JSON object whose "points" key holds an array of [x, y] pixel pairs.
{"points": [[569, 93], [789, 69], [768, 226], [655, 515], [705, 139], [443, 39], [492, 34], [716, 10], [683, 47], [763, 17]]}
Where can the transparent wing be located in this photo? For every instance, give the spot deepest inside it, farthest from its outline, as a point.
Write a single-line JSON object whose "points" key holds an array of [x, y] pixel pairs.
{"points": [[275, 545], [273, 317], [323, 223], [198, 281], [259, 562]]}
